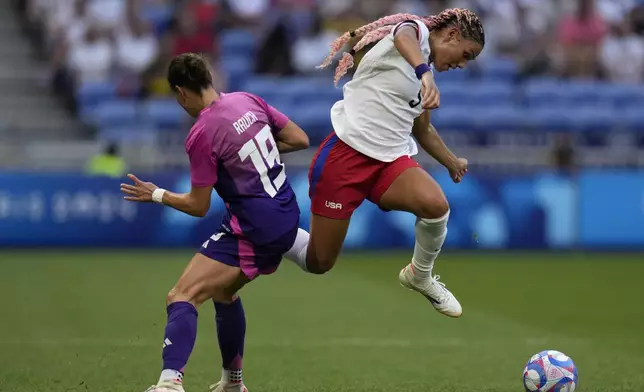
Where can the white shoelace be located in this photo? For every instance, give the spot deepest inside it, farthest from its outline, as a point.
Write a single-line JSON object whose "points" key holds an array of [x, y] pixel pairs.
{"points": [[443, 291]]}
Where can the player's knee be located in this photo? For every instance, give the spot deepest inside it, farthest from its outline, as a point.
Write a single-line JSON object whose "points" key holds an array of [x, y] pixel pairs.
{"points": [[433, 206], [320, 264], [195, 295]]}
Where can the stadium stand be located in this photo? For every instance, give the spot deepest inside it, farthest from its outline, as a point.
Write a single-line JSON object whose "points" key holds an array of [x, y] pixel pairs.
{"points": [[537, 78]]}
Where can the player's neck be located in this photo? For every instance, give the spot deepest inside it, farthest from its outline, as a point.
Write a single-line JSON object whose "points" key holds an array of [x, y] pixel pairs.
{"points": [[433, 37], [208, 97]]}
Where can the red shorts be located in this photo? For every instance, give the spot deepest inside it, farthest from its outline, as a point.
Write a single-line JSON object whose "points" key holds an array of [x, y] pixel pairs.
{"points": [[340, 178]]}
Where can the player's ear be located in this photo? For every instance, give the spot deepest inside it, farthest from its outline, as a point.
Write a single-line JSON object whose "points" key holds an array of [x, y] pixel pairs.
{"points": [[453, 33]]}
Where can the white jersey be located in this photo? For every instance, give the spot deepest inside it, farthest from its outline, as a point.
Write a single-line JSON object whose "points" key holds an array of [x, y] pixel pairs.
{"points": [[381, 102]]}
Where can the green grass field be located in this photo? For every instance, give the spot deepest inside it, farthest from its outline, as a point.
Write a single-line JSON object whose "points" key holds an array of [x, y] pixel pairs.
{"points": [[93, 321]]}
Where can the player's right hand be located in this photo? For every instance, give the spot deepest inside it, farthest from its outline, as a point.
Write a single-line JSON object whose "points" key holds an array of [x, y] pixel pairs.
{"points": [[430, 96], [140, 191]]}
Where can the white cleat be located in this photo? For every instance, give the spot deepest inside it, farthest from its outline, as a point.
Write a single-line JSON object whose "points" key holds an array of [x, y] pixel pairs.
{"points": [[166, 387], [228, 387], [441, 298]]}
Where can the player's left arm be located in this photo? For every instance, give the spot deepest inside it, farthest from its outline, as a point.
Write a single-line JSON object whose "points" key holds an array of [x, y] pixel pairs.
{"points": [[433, 144], [195, 203]]}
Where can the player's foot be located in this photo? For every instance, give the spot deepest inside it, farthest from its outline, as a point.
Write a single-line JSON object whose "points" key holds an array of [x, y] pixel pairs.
{"points": [[168, 386], [222, 386], [441, 298]]}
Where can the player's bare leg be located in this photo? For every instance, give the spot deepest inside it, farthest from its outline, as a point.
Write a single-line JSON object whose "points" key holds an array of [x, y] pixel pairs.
{"points": [[318, 251], [203, 279], [417, 192]]}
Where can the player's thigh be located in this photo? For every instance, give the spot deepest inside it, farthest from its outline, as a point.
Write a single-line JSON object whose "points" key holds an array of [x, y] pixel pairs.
{"points": [[205, 278], [413, 190], [325, 243], [340, 179]]}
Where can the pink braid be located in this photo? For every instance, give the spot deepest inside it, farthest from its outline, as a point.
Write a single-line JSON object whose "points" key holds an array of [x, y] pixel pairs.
{"points": [[345, 63], [339, 43], [467, 22]]}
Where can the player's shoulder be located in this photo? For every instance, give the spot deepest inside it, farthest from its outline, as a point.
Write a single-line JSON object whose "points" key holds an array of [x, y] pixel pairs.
{"points": [[243, 97]]}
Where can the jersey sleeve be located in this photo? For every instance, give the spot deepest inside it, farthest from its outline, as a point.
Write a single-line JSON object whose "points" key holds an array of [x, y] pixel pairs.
{"points": [[422, 32], [203, 164], [277, 119]]}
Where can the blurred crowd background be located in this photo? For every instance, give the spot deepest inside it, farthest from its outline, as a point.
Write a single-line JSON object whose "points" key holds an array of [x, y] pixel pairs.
{"points": [[557, 90], [556, 76]]}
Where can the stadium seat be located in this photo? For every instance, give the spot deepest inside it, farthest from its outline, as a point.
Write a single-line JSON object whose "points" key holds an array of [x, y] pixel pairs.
{"points": [[238, 41], [91, 94], [454, 118], [502, 69], [456, 75], [116, 113], [454, 93], [499, 118], [553, 119], [491, 93], [237, 69], [164, 114], [267, 87], [542, 92], [160, 16], [631, 119], [591, 119], [624, 95], [582, 93], [309, 90], [315, 121], [139, 133]]}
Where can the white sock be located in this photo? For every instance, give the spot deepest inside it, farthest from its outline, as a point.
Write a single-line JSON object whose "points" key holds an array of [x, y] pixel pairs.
{"points": [[171, 375], [231, 376], [430, 235], [297, 253]]}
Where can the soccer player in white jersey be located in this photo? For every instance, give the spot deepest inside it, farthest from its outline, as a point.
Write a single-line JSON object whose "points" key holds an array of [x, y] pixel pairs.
{"points": [[369, 154]]}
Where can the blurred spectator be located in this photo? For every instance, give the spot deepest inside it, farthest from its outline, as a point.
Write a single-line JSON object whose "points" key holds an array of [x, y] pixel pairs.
{"points": [[136, 47], [92, 58], [622, 54], [108, 14], [194, 32], [108, 163], [274, 54], [563, 154], [310, 49], [580, 36], [248, 11], [154, 79]]}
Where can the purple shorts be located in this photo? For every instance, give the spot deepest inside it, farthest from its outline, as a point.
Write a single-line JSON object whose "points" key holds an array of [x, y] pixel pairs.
{"points": [[237, 251]]}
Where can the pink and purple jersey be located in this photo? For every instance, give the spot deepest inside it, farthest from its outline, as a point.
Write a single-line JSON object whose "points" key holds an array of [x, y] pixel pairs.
{"points": [[231, 146]]}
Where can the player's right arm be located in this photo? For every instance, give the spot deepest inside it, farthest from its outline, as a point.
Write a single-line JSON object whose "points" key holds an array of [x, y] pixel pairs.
{"points": [[195, 203], [407, 42], [291, 138]]}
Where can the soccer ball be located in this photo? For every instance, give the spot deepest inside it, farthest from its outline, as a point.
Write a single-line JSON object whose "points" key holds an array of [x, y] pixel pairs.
{"points": [[550, 371]]}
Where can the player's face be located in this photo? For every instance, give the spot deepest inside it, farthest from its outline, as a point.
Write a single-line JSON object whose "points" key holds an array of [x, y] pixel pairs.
{"points": [[188, 101], [453, 51]]}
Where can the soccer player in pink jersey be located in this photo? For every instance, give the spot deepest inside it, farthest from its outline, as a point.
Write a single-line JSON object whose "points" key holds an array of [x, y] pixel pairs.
{"points": [[234, 148]]}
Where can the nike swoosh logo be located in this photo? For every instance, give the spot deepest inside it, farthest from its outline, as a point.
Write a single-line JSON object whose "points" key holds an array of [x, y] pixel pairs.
{"points": [[432, 300]]}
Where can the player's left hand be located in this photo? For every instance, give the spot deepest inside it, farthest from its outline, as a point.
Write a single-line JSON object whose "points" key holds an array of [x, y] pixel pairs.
{"points": [[430, 96], [140, 191], [457, 172]]}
